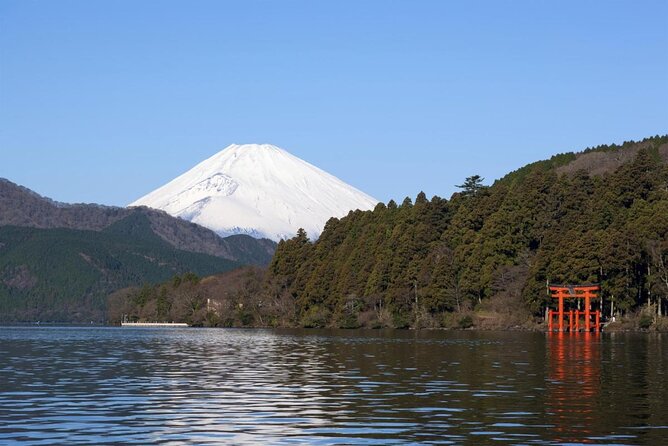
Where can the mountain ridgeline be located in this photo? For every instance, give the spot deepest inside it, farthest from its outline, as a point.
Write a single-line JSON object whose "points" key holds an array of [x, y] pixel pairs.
{"points": [[482, 258], [64, 274], [20, 206], [597, 216], [58, 262]]}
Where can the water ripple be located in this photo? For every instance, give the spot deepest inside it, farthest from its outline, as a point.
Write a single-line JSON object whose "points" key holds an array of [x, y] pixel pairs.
{"points": [[107, 385]]}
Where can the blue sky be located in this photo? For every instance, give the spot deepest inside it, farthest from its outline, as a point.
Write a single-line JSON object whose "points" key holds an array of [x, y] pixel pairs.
{"points": [[103, 101]]}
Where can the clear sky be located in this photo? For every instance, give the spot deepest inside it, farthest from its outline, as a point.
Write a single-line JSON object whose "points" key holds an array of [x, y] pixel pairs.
{"points": [[103, 101]]}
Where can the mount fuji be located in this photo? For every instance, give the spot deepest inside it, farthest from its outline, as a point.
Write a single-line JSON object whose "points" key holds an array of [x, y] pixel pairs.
{"points": [[259, 190]]}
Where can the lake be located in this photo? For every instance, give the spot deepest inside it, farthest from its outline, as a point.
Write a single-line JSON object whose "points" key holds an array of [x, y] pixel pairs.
{"points": [[232, 386]]}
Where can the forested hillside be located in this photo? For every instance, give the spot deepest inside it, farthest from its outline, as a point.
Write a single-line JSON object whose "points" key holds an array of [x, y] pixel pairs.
{"points": [[58, 261], [19, 206], [65, 274], [598, 216], [484, 257]]}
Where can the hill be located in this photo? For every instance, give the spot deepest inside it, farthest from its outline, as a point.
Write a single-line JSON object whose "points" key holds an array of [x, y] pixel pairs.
{"points": [[482, 258], [20, 206], [231, 299], [60, 274], [58, 261], [597, 216]]}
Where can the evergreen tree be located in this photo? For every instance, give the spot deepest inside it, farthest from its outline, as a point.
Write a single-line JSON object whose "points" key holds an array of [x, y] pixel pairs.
{"points": [[546, 222], [472, 185]]}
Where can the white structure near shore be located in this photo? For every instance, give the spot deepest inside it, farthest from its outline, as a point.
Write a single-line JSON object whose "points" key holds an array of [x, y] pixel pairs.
{"points": [[154, 324]]}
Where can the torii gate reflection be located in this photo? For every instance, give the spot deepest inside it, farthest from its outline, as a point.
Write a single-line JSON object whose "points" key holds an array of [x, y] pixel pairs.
{"points": [[573, 384]]}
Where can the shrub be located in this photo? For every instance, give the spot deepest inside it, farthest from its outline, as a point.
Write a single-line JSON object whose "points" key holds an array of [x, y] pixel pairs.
{"points": [[212, 319], [350, 321], [645, 321], [246, 318], [400, 321], [466, 322], [315, 317]]}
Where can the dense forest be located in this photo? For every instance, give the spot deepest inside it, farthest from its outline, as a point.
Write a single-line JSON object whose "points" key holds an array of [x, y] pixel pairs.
{"points": [[60, 274], [235, 298], [485, 256], [59, 261]]}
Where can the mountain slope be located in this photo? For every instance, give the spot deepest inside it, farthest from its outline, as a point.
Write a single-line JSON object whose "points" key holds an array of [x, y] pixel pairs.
{"points": [[64, 274], [598, 216], [20, 206], [259, 190]]}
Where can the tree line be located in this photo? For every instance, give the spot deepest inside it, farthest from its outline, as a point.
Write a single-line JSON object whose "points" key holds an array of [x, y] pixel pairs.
{"points": [[417, 262], [485, 256]]}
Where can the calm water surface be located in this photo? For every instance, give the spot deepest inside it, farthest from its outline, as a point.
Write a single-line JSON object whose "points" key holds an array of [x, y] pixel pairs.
{"points": [[120, 385]]}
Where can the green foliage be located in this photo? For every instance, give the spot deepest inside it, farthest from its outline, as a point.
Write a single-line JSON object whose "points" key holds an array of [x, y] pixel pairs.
{"points": [[238, 298], [466, 322], [191, 277], [246, 317], [65, 274], [315, 317], [472, 185], [542, 223], [645, 321], [544, 166], [401, 321]]}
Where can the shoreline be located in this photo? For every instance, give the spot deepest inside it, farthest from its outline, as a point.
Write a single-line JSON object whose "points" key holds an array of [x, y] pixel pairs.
{"points": [[369, 329]]}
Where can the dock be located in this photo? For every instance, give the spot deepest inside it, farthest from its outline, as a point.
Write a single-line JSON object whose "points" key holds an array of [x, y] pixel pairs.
{"points": [[154, 324]]}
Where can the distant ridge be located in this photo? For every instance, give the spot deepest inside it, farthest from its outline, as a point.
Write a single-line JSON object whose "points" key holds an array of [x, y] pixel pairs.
{"points": [[20, 206], [59, 261], [64, 275]]}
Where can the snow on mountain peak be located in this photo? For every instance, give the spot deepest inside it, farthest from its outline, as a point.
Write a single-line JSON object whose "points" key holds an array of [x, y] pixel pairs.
{"points": [[257, 189]]}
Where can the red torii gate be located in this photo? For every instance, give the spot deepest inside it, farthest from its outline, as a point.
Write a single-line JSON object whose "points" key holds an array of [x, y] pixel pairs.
{"points": [[585, 292]]}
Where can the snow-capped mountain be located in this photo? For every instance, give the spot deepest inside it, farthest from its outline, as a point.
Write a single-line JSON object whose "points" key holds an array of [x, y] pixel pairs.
{"points": [[260, 190]]}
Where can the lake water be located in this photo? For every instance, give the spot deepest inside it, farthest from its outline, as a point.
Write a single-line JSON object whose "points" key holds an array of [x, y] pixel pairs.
{"points": [[123, 385]]}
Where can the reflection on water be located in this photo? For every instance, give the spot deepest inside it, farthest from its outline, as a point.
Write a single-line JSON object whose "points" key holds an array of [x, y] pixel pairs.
{"points": [[113, 385], [574, 384]]}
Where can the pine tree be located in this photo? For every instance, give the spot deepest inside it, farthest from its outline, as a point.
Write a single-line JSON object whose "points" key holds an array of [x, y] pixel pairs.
{"points": [[472, 185]]}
